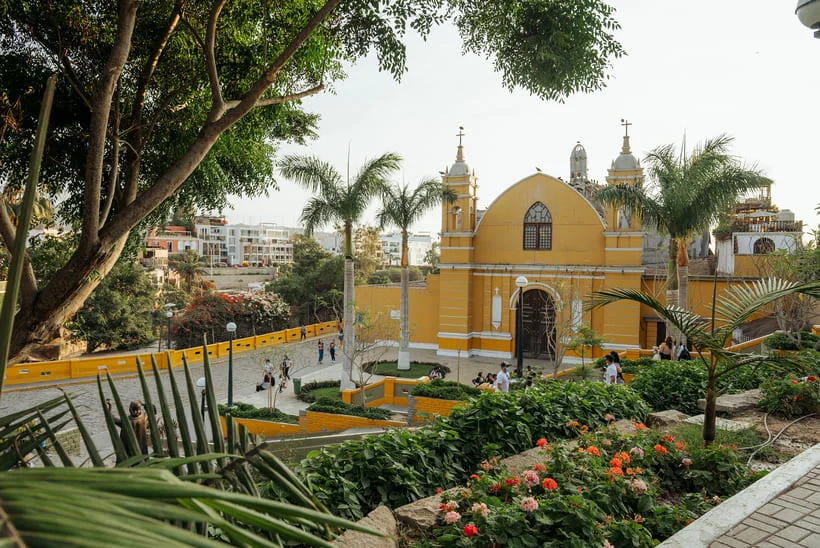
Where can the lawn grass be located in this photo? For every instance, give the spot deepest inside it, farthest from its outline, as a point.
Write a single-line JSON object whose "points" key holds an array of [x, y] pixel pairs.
{"points": [[331, 392], [390, 369]]}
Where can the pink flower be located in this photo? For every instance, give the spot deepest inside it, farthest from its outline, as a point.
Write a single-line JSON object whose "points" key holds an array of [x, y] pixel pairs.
{"points": [[607, 545], [606, 443], [530, 478], [481, 508], [529, 504], [639, 485], [452, 517], [686, 462], [636, 451]]}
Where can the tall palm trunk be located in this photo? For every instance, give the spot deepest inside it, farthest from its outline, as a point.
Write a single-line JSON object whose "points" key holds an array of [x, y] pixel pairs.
{"points": [[404, 334], [683, 274], [672, 294], [349, 350]]}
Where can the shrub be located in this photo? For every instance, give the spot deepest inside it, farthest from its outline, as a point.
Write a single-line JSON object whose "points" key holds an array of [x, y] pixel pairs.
{"points": [[791, 341], [401, 466], [445, 390], [608, 478], [791, 397], [305, 392], [671, 385], [247, 411], [327, 405]]}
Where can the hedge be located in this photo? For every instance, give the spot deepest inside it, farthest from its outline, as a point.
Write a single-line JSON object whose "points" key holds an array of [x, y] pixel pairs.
{"points": [[327, 405], [791, 341], [401, 465], [307, 397], [247, 411], [445, 390]]}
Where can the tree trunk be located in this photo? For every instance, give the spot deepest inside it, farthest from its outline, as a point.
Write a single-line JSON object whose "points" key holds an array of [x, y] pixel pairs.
{"points": [[349, 349], [404, 335], [672, 294], [710, 415], [60, 300]]}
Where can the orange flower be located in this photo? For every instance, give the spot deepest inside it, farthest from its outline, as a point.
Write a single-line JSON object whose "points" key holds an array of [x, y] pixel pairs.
{"points": [[629, 471], [572, 424], [592, 450], [549, 484], [615, 471], [438, 490], [541, 442], [668, 438], [660, 449], [539, 467], [615, 461], [638, 470], [794, 382], [475, 477], [679, 446], [624, 456], [640, 426]]}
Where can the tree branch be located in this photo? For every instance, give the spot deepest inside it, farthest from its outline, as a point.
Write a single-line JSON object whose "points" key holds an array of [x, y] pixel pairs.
{"points": [[115, 161], [28, 285], [73, 79], [218, 105], [98, 129], [128, 217], [280, 99]]}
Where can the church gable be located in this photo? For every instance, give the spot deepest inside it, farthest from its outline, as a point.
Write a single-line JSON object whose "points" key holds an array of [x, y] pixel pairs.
{"points": [[540, 220]]}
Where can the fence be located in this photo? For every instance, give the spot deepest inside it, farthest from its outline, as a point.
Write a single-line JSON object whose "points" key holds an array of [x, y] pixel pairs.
{"points": [[60, 370]]}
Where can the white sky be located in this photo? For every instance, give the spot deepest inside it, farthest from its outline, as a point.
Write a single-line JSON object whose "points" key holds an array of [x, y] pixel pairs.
{"points": [[703, 67]]}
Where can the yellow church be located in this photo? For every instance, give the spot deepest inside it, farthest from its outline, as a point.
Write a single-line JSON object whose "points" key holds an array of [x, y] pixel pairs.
{"points": [[543, 236]]}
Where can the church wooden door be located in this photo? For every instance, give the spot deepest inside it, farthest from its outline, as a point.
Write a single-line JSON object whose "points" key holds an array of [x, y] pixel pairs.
{"points": [[539, 325]]}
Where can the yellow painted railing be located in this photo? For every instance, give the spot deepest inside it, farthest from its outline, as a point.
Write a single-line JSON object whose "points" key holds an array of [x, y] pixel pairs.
{"points": [[79, 368]]}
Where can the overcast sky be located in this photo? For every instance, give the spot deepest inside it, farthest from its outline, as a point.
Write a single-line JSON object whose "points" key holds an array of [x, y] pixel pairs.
{"points": [[699, 67]]}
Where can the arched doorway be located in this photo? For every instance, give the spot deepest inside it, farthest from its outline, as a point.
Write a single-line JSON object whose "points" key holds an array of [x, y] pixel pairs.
{"points": [[539, 325]]}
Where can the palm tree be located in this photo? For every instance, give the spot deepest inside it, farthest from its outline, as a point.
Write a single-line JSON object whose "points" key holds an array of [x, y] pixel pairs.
{"points": [[689, 195], [340, 201], [708, 336], [402, 207], [189, 268]]}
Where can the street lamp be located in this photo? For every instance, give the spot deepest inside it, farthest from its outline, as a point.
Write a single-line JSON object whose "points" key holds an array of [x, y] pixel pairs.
{"points": [[169, 315], [231, 327], [808, 11], [521, 282], [200, 383]]}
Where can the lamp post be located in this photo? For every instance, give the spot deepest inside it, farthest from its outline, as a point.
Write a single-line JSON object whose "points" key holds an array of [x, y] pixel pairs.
{"points": [[231, 327], [808, 11], [200, 383], [521, 282], [169, 315]]}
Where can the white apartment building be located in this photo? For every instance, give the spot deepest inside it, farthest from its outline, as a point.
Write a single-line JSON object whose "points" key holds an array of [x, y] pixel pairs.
{"points": [[418, 245], [264, 244]]}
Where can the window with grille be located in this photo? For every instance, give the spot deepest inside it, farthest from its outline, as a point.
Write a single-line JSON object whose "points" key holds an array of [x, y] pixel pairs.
{"points": [[538, 227], [763, 246]]}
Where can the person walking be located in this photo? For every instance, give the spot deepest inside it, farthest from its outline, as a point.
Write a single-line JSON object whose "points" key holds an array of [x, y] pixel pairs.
{"points": [[332, 351], [611, 374], [303, 333], [502, 379], [287, 363], [666, 349], [321, 351]]}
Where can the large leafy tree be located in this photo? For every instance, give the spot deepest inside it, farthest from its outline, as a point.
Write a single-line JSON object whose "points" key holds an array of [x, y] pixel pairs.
{"points": [[687, 193], [709, 336], [402, 207], [340, 201], [166, 103]]}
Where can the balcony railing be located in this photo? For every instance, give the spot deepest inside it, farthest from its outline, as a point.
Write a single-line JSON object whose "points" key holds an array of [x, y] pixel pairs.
{"points": [[748, 225]]}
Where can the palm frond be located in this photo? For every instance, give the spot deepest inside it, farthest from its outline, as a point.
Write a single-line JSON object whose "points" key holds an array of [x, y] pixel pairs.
{"points": [[310, 172], [647, 208], [691, 325], [317, 213]]}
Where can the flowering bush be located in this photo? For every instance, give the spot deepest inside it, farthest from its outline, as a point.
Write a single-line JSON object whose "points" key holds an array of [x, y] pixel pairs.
{"points": [[791, 396], [632, 491]]}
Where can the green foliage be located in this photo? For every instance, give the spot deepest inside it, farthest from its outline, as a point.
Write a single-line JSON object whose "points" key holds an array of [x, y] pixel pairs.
{"points": [[49, 254], [446, 390], [313, 284], [607, 478], [585, 341], [306, 392], [433, 257], [791, 341], [629, 366], [337, 407], [118, 315], [379, 277], [242, 410], [189, 267], [390, 369], [790, 396], [401, 466], [671, 385]]}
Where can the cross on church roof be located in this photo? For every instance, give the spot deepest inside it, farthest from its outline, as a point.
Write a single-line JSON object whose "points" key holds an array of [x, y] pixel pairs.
{"points": [[460, 134], [626, 124]]}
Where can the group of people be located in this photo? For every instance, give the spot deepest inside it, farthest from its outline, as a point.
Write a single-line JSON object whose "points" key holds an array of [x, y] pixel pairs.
{"points": [[500, 382], [332, 349], [613, 373], [269, 376], [436, 373], [671, 350]]}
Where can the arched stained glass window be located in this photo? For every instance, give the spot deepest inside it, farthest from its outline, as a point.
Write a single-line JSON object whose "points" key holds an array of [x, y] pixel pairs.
{"points": [[538, 227]]}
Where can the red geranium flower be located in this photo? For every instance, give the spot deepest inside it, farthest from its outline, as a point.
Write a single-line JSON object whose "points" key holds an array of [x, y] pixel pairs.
{"points": [[470, 530], [660, 449], [811, 378], [549, 484], [541, 442]]}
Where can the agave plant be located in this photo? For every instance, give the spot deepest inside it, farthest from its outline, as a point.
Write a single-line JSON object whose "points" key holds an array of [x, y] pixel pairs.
{"points": [[709, 336], [192, 493]]}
